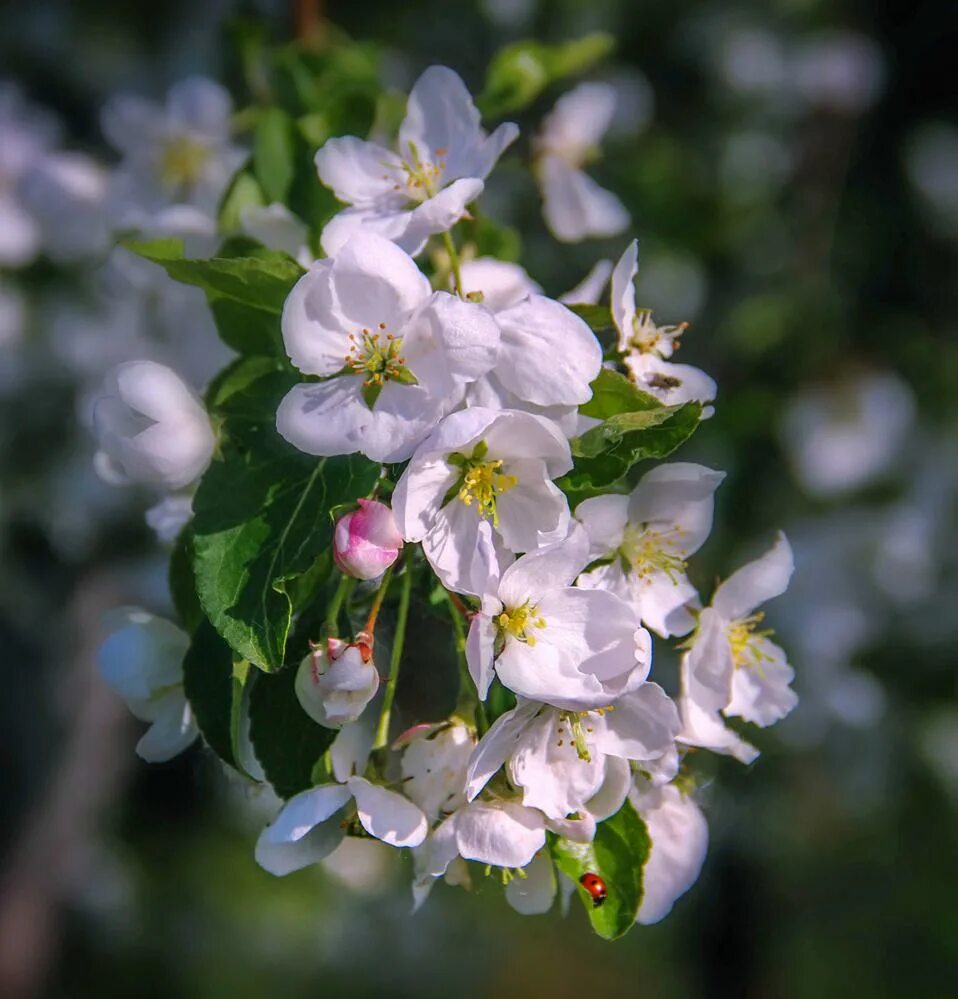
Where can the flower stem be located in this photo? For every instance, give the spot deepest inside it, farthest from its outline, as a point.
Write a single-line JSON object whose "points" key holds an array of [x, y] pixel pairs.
{"points": [[370, 628], [346, 584], [389, 695], [467, 695], [450, 244]]}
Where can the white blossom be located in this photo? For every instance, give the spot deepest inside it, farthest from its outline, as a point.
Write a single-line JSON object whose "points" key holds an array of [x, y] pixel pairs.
{"points": [[549, 641], [423, 188], [180, 152], [151, 428], [394, 355], [574, 205], [646, 347], [311, 824], [142, 660], [732, 666], [843, 437], [576, 764], [644, 541], [483, 466]]}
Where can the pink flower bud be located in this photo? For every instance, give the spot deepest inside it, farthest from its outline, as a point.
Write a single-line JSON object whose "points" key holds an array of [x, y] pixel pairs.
{"points": [[367, 541]]}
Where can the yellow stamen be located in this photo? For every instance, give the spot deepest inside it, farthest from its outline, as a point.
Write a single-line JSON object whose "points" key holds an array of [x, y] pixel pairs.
{"points": [[517, 622], [483, 483], [648, 551], [743, 639]]}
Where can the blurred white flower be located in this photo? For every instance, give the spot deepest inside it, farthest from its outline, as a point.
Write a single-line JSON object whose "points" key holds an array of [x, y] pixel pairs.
{"points": [[179, 152], [142, 660], [842, 71], [931, 160], [151, 428], [843, 437], [66, 194], [574, 205]]}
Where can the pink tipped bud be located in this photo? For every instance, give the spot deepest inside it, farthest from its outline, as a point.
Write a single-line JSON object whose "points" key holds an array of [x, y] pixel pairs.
{"points": [[367, 541], [336, 681]]}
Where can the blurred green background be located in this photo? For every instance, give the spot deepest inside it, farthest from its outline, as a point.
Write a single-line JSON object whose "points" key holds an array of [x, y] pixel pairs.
{"points": [[791, 167]]}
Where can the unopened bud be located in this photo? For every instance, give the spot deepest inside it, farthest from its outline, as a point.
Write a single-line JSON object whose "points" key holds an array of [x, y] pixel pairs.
{"points": [[336, 681], [367, 541]]}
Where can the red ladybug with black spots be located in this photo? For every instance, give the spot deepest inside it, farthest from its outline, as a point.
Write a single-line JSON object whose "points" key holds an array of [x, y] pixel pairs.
{"points": [[595, 886]]}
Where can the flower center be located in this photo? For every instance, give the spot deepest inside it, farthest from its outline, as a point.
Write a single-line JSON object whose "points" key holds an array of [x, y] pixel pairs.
{"points": [[517, 622], [482, 482], [183, 161], [424, 178], [648, 552], [378, 356], [743, 640], [647, 338]]}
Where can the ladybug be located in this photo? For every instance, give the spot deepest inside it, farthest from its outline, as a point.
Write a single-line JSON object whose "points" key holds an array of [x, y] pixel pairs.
{"points": [[595, 886]]}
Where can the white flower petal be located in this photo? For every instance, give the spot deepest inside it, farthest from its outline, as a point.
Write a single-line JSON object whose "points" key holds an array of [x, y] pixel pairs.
{"points": [[642, 725], [614, 790], [497, 745], [623, 294], [359, 172], [707, 666], [679, 835], [502, 283], [575, 206], [328, 418], [575, 126], [301, 834], [172, 731], [549, 355], [756, 582], [533, 894], [589, 290], [387, 815], [604, 519], [501, 833], [553, 567], [760, 688]]}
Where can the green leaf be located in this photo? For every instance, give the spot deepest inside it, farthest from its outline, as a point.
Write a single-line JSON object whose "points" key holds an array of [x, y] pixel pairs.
{"points": [[606, 453], [287, 742], [244, 192], [635, 426], [183, 583], [246, 329], [613, 393], [617, 855], [262, 518], [521, 71], [208, 683], [597, 317], [274, 153], [263, 281], [607, 435]]}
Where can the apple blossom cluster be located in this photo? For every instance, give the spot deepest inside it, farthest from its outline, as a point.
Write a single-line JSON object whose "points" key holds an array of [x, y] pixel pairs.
{"points": [[425, 443]]}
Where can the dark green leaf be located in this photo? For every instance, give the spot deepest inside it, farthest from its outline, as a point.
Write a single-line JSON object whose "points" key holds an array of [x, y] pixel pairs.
{"points": [[246, 329], [617, 855], [610, 450], [208, 683], [274, 153], [521, 71], [263, 281], [598, 317], [287, 742], [183, 583], [262, 518]]}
